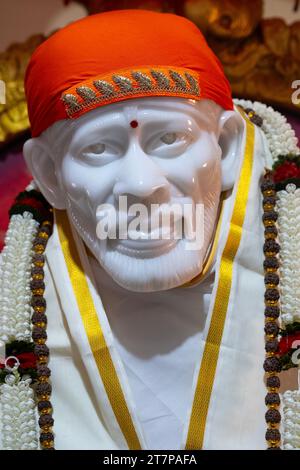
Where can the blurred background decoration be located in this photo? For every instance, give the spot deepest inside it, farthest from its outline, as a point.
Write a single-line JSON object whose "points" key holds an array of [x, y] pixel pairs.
{"points": [[13, 62], [257, 41], [261, 57]]}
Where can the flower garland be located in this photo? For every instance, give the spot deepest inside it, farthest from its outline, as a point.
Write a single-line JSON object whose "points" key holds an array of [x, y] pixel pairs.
{"points": [[288, 198], [288, 205], [289, 345], [281, 138], [14, 278], [19, 420], [24, 373], [291, 408]]}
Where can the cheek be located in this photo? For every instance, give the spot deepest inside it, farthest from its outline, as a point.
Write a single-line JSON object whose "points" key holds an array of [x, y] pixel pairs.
{"points": [[207, 165], [198, 172], [83, 182]]}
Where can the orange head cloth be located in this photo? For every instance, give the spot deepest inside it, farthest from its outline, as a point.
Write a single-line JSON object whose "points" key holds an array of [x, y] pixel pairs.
{"points": [[118, 55]]}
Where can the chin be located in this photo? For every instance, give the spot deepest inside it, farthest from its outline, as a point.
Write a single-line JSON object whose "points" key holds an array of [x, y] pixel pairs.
{"points": [[166, 270]]}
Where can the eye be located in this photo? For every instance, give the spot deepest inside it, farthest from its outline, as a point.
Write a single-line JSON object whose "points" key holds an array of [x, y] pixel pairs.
{"points": [[168, 144], [96, 149], [169, 138], [99, 153]]}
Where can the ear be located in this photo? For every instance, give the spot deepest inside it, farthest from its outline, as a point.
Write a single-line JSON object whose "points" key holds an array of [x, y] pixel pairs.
{"points": [[231, 127], [41, 165]]}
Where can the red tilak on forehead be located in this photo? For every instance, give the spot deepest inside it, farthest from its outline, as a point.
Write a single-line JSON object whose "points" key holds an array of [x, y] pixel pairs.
{"points": [[134, 124]]}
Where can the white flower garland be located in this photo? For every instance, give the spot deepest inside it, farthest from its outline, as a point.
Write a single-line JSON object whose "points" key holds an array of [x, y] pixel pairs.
{"points": [[17, 405], [15, 268], [279, 133], [288, 207], [291, 409], [18, 414]]}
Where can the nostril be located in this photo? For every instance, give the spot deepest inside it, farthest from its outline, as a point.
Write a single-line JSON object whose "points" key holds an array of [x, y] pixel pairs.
{"points": [[131, 200], [155, 196], [159, 196]]}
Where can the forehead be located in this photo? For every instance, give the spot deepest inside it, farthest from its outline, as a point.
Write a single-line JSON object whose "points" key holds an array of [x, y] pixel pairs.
{"points": [[204, 113], [150, 109]]}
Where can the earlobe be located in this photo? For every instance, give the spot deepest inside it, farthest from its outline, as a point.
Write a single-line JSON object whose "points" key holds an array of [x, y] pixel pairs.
{"points": [[231, 128], [41, 165]]}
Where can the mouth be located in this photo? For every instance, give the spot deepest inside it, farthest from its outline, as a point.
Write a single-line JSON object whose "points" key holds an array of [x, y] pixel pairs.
{"points": [[143, 248], [143, 244]]}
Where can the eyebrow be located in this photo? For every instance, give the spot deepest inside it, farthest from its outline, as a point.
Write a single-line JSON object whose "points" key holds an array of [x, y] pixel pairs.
{"points": [[88, 128], [195, 115]]}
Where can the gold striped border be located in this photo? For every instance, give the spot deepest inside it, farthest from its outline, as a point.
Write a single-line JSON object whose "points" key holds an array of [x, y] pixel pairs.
{"points": [[208, 367], [94, 332]]}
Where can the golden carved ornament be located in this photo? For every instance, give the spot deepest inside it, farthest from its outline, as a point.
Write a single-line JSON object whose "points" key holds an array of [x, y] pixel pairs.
{"points": [[225, 18], [13, 62], [260, 57]]}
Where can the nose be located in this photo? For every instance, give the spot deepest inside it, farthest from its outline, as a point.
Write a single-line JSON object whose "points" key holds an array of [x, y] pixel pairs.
{"points": [[139, 175]]}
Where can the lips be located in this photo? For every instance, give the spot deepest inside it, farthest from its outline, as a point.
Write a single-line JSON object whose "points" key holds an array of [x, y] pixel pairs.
{"points": [[144, 248], [141, 243]]}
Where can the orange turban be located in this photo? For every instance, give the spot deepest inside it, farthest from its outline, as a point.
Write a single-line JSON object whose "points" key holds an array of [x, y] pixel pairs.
{"points": [[118, 55]]}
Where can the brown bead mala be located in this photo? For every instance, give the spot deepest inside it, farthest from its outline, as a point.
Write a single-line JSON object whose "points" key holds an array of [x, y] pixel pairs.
{"points": [[34, 202], [272, 365], [39, 335]]}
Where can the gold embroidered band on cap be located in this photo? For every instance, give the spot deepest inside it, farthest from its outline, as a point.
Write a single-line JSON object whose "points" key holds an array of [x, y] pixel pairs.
{"points": [[157, 81]]}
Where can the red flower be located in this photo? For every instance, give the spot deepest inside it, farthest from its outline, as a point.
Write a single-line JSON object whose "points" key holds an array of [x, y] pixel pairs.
{"points": [[27, 361], [285, 171], [286, 343]]}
